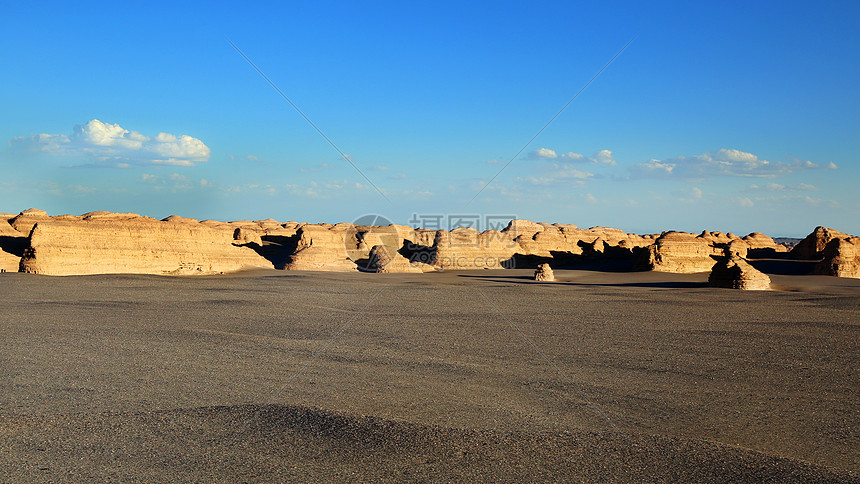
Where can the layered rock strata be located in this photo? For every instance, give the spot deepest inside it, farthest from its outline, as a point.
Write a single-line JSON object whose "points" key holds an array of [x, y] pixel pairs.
{"points": [[841, 258], [734, 272], [682, 253], [104, 242], [12, 244], [812, 247], [102, 245]]}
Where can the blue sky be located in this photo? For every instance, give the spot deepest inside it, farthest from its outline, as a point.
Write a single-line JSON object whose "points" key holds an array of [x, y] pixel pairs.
{"points": [[737, 116]]}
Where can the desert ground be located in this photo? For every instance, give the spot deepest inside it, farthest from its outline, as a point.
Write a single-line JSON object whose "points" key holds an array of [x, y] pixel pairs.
{"points": [[482, 375]]}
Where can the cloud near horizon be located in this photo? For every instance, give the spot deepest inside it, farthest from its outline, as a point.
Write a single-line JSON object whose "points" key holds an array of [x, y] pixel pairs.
{"points": [[724, 162], [601, 157], [558, 174], [113, 145]]}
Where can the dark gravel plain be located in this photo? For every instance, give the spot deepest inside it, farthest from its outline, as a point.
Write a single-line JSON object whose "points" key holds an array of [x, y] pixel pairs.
{"points": [[485, 375]]}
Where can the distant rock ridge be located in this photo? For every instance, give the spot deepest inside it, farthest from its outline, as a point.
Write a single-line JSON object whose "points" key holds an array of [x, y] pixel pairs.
{"points": [[106, 242]]}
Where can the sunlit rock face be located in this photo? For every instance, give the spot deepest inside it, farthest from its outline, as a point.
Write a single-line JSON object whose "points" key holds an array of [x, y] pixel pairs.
{"points": [[733, 272], [323, 248], [812, 247], [682, 253], [544, 273], [128, 243], [841, 258]]}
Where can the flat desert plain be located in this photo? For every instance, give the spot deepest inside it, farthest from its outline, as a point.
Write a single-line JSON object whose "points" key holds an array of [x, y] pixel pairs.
{"points": [[482, 375]]}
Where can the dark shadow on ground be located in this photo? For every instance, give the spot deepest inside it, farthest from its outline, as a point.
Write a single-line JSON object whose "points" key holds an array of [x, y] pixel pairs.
{"points": [[530, 280], [625, 262], [784, 267]]}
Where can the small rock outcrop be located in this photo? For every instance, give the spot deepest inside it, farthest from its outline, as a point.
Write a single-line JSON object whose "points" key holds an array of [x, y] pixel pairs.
{"points": [[246, 236], [841, 258], [760, 245], [383, 259], [544, 273], [734, 272]]}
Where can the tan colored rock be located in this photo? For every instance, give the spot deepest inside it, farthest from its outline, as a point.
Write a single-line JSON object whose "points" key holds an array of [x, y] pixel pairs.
{"points": [[841, 258], [269, 224], [545, 242], [758, 240], [245, 236], [322, 249], [680, 252], [180, 219], [12, 245], [104, 216], [384, 260], [544, 273], [139, 246], [518, 227], [812, 247], [737, 247], [468, 249], [25, 220], [734, 272]]}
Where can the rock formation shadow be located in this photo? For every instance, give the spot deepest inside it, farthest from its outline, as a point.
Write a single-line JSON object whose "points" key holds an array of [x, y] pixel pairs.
{"points": [[784, 267], [622, 260], [13, 245], [277, 249], [530, 280]]}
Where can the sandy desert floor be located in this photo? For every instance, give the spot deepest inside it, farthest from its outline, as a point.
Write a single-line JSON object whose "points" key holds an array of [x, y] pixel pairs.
{"points": [[485, 375]]}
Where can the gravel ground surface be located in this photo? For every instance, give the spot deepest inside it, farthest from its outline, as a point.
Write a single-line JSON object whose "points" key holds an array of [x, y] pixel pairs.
{"points": [[481, 375]]}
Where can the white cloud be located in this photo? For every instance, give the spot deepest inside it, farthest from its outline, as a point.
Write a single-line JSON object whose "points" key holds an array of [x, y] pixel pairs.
{"points": [[697, 192], [558, 174], [590, 198], [542, 154], [776, 187], [378, 168], [745, 202], [724, 162], [113, 145], [601, 157], [252, 158]]}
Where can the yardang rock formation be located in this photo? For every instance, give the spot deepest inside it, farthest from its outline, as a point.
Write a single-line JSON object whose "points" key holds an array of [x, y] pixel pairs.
{"points": [[104, 242], [734, 272]]}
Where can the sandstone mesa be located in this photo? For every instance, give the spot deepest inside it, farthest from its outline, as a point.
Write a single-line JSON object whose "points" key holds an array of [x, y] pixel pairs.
{"points": [[104, 242]]}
